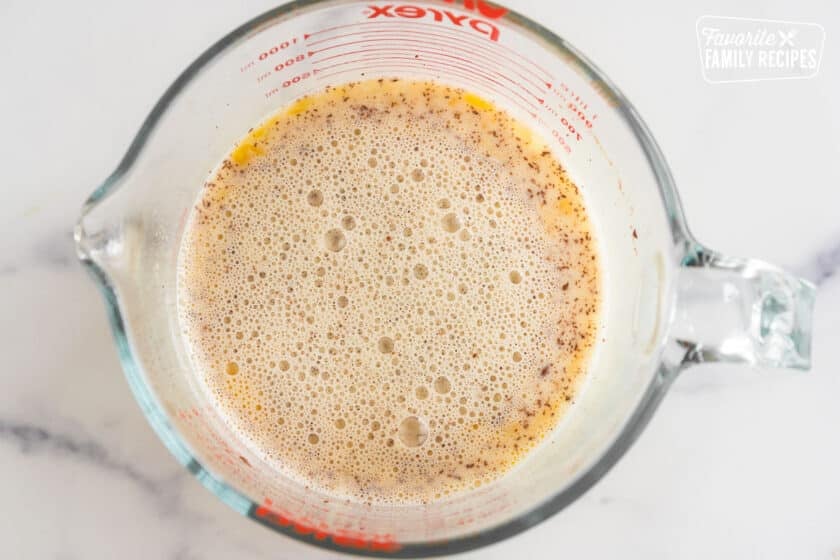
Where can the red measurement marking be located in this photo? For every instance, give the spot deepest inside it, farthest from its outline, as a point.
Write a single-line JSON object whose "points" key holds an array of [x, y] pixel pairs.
{"points": [[487, 10], [277, 48], [571, 128], [430, 52], [290, 82], [574, 97], [439, 64], [546, 77], [359, 540], [440, 16], [215, 447], [289, 62], [575, 104], [581, 115], [296, 79], [564, 88], [374, 64], [400, 37], [562, 141]]}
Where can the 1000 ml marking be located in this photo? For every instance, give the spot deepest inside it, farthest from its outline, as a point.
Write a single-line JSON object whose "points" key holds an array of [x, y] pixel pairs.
{"points": [[281, 46], [277, 48]]}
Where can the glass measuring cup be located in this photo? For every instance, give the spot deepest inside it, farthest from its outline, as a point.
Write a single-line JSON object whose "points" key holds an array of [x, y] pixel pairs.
{"points": [[668, 301]]}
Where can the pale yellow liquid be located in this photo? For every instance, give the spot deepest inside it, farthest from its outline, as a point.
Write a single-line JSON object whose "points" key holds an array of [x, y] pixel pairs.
{"points": [[390, 289]]}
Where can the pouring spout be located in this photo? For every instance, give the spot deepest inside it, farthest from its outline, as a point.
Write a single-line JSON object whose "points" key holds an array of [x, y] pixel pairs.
{"points": [[98, 232]]}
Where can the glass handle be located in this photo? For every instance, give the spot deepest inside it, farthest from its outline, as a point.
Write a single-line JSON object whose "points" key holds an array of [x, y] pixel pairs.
{"points": [[741, 310]]}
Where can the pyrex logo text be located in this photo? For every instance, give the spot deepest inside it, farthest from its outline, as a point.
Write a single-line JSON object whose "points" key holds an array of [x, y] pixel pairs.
{"points": [[416, 12]]}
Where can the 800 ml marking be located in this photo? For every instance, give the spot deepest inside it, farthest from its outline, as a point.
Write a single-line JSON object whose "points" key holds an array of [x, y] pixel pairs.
{"points": [[290, 62]]}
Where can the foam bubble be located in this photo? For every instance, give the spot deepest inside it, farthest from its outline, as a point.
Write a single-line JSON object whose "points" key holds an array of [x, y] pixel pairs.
{"points": [[386, 345], [348, 223], [315, 198], [413, 432], [442, 385], [451, 223], [334, 240]]}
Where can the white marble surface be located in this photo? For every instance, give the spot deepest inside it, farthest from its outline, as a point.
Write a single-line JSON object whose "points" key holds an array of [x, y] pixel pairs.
{"points": [[737, 463]]}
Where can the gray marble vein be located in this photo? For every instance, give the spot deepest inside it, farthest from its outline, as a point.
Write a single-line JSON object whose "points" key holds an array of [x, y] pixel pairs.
{"points": [[56, 249], [184, 553], [31, 439], [823, 265], [53, 250]]}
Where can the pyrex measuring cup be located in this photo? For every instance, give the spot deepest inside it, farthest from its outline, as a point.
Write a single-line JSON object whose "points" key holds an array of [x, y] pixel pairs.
{"points": [[668, 301]]}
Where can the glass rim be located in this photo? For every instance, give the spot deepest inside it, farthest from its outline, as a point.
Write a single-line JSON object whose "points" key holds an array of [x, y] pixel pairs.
{"points": [[159, 419]]}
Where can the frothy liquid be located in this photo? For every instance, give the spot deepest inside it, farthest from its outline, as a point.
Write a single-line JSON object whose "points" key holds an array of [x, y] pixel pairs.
{"points": [[391, 290]]}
